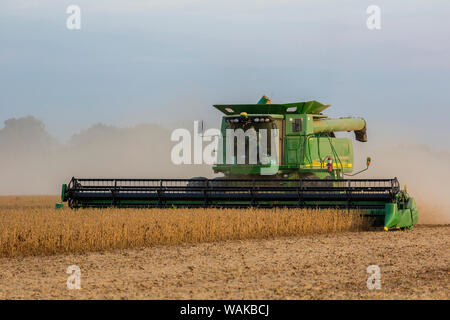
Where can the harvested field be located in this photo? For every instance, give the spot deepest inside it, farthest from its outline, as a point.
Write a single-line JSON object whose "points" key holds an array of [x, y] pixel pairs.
{"points": [[414, 265], [31, 226]]}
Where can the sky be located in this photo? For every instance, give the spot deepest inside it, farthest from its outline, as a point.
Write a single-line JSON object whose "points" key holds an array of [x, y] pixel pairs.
{"points": [[167, 62]]}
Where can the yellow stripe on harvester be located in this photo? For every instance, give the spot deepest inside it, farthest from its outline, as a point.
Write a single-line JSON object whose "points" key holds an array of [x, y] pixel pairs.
{"points": [[323, 165]]}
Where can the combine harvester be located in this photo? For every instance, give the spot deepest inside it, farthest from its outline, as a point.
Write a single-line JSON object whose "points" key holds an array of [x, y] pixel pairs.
{"points": [[312, 164]]}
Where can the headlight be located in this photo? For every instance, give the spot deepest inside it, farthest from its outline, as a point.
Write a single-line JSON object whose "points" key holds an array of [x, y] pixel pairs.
{"points": [[267, 120], [256, 119], [236, 120]]}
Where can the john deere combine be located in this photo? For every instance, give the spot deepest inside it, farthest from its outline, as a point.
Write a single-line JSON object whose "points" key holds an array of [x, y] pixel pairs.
{"points": [[301, 164]]}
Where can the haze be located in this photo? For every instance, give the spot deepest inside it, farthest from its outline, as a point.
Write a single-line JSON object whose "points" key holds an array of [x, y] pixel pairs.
{"points": [[103, 99]]}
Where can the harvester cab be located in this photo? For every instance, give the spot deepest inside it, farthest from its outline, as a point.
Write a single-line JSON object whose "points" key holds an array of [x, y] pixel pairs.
{"points": [[305, 144], [310, 166]]}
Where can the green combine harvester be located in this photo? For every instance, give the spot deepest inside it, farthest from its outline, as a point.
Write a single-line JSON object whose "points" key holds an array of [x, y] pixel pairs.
{"points": [[304, 165]]}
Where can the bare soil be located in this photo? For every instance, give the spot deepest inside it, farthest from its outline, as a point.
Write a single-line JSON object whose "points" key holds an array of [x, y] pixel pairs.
{"points": [[414, 265]]}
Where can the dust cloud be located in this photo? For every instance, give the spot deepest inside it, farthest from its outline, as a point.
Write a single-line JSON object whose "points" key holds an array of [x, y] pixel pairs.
{"points": [[34, 162], [424, 172]]}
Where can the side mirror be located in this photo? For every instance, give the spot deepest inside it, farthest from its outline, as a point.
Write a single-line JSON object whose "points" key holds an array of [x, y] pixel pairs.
{"points": [[368, 160]]}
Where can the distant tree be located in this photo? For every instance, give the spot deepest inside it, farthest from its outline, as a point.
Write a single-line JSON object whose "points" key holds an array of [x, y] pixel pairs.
{"points": [[96, 135], [26, 134]]}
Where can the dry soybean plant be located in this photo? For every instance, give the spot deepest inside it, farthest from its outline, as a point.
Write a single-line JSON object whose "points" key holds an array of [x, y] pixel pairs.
{"points": [[30, 226]]}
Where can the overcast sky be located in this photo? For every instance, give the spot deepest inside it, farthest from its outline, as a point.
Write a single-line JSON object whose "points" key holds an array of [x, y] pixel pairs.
{"points": [[166, 62]]}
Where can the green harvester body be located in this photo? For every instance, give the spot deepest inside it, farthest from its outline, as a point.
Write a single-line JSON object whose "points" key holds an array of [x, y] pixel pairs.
{"points": [[306, 139]]}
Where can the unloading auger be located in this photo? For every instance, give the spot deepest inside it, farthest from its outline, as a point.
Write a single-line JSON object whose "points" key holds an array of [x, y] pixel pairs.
{"points": [[311, 169]]}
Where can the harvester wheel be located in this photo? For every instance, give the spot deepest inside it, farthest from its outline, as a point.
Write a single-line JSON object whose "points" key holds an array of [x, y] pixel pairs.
{"points": [[219, 182], [197, 182]]}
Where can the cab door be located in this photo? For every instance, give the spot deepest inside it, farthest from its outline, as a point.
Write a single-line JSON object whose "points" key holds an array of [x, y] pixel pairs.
{"points": [[293, 129]]}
